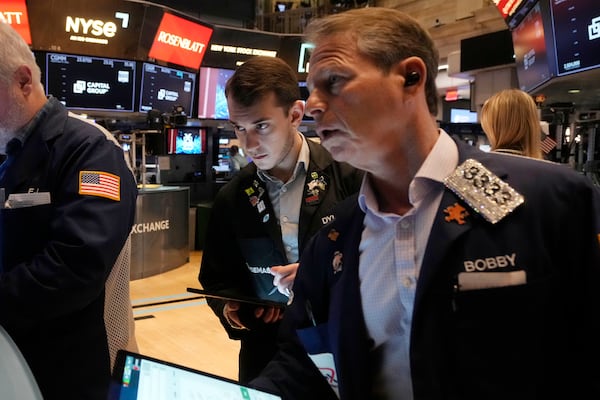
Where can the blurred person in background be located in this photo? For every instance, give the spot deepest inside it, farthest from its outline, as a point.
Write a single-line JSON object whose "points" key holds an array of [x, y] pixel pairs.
{"points": [[236, 160], [510, 120]]}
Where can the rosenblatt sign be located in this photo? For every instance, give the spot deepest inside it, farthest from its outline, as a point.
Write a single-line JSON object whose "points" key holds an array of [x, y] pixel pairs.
{"points": [[14, 13], [180, 41], [507, 7]]}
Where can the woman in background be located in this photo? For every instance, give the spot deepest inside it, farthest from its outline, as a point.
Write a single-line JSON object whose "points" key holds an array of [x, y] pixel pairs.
{"points": [[511, 123]]}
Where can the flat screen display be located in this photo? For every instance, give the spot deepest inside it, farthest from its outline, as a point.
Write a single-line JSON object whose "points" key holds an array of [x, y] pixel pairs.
{"points": [[459, 115], [513, 11], [230, 47], [488, 50], [188, 140], [576, 34], [162, 88], [139, 377], [107, 28], [91, 83], [180, 41], [14, 13], [531, 53], [211, 96]]}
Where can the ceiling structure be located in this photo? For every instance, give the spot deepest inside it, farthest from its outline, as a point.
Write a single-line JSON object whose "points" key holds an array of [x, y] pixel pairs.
{"points": [[448, 25], [448, 36]]}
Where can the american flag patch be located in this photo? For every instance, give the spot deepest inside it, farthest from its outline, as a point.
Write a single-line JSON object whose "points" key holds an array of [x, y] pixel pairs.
{"points": [[98, 183]]}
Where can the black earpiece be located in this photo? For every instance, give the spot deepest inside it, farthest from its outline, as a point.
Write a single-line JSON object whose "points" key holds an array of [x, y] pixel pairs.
{"points": [[412, 78]]}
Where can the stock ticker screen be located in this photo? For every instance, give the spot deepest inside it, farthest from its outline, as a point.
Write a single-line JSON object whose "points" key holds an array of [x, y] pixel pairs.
{"points": [[91, 83]]}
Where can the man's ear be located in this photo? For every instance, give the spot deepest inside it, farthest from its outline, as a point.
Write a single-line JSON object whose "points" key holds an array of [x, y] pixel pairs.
{"points": [[297, 112], [413, 72], [24, 78]]}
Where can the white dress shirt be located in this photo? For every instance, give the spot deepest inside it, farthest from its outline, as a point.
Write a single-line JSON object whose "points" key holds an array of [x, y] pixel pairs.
{"points": [[286, 198]]}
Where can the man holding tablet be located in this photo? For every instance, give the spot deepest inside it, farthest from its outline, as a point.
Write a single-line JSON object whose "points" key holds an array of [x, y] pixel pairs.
{"points": [[263, 217]]}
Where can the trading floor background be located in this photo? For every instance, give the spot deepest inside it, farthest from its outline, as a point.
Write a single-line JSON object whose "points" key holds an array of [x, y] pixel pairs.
{"points": [[177, 326]]}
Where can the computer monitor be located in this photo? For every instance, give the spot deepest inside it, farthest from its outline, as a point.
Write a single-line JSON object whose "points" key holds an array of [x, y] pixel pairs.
{"points": [[141, 377], [186, 140], [91, 83], [163, 88], [212, 102], [459, 115], [533, 56], [576, 35]]}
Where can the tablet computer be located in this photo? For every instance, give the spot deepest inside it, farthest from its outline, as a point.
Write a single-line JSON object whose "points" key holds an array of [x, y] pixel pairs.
{"points": [[140, 377], [242, 299]]}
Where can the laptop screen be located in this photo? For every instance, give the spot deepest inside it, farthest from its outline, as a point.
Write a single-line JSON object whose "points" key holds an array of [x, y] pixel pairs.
{"points": [[139, 377]]}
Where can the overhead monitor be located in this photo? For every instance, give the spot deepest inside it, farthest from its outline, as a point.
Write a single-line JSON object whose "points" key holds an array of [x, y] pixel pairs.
{"points": [[533, 55], [513, 11], [107, 28], [163, 88], [487, 50], [576, 34], [14, 13], [459, 115], [230, 47], [180, 41], [186, 140], [211, 96], [91, 83]]}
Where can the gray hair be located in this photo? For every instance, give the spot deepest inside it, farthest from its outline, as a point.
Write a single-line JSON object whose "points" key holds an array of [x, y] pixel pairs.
{"points": [[15, 52]]}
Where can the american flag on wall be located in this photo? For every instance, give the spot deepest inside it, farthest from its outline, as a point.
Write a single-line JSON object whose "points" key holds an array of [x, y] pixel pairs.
{"points": [[98, 183], [548, 144]]}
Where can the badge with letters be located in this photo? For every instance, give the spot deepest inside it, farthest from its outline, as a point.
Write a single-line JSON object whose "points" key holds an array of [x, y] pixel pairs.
{"points": [[483, 191]]}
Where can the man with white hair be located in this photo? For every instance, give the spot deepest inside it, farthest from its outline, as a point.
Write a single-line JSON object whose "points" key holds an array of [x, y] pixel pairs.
{"points": [[66, 216]]}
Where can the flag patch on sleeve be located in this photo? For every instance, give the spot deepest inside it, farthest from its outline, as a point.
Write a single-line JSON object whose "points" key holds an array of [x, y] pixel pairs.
{"points": [[98, 183]]}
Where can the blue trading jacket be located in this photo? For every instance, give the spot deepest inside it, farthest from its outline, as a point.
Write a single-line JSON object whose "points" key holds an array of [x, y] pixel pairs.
{"points": [[56, 256], [528, 340]]}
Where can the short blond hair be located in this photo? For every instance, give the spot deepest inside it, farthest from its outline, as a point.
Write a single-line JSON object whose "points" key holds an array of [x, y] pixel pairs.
{"points": [[510, 121]]}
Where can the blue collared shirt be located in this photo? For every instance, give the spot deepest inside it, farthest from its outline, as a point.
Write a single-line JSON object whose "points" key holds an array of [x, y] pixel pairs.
{"points": [[391, 252]]}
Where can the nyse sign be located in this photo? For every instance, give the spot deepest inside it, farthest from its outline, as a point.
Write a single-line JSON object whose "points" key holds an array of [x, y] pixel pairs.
{"points": [[105, 28], [95, 30]]}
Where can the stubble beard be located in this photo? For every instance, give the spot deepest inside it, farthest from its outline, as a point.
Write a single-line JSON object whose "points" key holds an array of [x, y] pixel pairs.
{"points": [[11, 124]]}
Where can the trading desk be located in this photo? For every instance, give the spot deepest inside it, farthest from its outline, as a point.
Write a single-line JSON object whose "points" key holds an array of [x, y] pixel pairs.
{"points": [[160, 234]]}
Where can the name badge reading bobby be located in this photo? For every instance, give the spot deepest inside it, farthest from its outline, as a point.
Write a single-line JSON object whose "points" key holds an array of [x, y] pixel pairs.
{"points": [[483, 191]]}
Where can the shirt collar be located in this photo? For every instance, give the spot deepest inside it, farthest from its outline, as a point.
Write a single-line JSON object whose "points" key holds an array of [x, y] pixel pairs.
{"points": [[440, 162], [301, 164]]}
